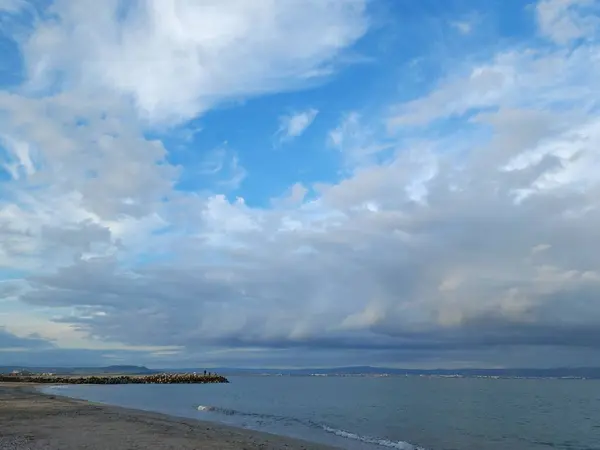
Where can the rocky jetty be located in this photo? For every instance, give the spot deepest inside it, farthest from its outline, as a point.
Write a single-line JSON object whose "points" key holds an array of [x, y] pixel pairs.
{"points": [[159, 378]]}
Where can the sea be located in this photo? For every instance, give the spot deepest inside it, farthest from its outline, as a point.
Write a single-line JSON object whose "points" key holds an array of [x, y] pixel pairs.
{"points": [[366, 413]]}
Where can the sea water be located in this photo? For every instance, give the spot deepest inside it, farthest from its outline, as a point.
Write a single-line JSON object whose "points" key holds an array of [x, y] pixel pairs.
{"points": [[360, 413]]}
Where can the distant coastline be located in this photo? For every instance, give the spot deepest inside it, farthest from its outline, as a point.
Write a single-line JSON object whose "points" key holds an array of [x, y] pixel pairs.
{"points": [[367, 371]]}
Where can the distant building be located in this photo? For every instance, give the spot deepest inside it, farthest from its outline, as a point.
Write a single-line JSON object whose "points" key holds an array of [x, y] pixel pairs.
{"points": [[21, 373]]}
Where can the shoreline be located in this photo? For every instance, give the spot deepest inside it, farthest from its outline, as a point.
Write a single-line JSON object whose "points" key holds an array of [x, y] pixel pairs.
{"points": [[33, 420]]}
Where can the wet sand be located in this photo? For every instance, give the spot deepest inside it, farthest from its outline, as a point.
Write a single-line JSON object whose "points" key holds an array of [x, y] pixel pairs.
{"points": [[30, 420]]}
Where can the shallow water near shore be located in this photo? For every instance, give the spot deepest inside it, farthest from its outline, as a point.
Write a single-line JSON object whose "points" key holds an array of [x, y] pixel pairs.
{"points": [[404, 413]]}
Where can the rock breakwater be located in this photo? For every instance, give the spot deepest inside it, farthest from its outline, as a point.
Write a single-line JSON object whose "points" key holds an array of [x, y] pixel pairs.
{"points": [[159, 378]]}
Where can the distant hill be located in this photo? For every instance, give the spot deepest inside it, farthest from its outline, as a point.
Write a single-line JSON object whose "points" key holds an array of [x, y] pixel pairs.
{"points": [[117, 370]]}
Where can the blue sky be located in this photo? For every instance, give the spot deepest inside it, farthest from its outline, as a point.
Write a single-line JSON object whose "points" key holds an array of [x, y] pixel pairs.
{"points": [[308, 182], [411, 45]]}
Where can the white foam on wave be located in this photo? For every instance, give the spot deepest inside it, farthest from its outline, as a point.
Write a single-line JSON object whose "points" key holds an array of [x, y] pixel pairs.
{"points": [[227, 412], [57, 387], [400, 445]]}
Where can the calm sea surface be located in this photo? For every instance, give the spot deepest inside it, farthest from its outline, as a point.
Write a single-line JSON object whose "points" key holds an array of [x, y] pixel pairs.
{"points": [[378, 413]]}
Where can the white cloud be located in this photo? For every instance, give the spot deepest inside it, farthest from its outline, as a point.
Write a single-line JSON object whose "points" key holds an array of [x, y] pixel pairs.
{"points": [[20, 158], [294, 125], [177, 59], [566, 20], [104, 160], [293, 198], [528, 79], [463, 27], [219, 167], [357, 141], [12, 6]]}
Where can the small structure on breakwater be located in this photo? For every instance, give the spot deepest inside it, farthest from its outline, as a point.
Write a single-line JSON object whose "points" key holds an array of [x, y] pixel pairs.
{"points": [[158, 378]]}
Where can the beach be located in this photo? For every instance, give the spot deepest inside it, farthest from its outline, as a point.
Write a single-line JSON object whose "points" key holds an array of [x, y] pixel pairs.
{"points": [[30, 420]]}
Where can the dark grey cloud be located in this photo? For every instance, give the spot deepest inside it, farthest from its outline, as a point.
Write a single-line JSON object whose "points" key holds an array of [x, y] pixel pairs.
{"points": [[80, 237], [9, 341]]}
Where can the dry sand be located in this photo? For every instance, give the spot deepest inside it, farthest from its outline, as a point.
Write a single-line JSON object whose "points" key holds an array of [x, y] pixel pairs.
{"points": [[30, 420]]}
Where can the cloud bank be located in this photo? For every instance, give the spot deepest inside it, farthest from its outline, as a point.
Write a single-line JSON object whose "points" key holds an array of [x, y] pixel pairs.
{"points": [[462, 227]]}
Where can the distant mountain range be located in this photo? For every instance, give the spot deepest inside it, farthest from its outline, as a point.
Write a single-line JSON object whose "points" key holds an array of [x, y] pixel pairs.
{"points": [[108, 370], [562, 372]]}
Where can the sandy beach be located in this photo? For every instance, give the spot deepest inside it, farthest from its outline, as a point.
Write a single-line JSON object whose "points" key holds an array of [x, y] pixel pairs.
{"points": [[30, 420]]}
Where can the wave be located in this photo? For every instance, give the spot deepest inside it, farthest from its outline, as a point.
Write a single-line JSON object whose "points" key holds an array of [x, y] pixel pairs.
{"points": [[400, 445], [228, 412]]}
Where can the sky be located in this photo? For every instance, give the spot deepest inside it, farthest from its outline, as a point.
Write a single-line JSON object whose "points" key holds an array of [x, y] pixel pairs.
{"points": [[293, 183]]}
